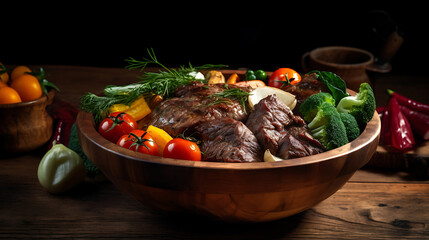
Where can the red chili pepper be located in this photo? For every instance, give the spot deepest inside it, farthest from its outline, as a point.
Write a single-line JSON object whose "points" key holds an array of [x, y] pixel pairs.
{"points": [[64, 115], [386, 134], [419, 121], [409, 103], [380, 111], [400, 135]]}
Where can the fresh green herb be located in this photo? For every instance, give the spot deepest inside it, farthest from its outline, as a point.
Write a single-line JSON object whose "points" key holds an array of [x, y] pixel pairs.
{"points": [[165, 82], [162, 83], [230, 94], [335, 84]]}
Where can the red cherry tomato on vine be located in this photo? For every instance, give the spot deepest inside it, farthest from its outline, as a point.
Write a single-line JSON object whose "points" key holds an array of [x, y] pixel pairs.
{"points": [[139, 141], [182, 149], [116, 125], [283, 78]]}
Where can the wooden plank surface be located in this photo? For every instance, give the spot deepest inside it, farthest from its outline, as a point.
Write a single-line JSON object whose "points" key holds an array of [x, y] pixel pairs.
{"points": [[375, 204]]}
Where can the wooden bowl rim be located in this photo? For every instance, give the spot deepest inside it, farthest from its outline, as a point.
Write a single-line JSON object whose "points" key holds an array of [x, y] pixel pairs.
{"points": [[320, 49], [86, 124], [40, 100]]}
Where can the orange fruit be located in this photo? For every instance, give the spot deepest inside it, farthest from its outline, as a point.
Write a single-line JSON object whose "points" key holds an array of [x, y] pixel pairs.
{"points": [[9, 95], [4, 76], [28, 87], [18, 71]]}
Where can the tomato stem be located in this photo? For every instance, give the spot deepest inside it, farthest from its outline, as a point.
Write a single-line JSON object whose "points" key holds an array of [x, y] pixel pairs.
{"points": [[116, 120], [139, 141], [287, 82], [44, 84]]}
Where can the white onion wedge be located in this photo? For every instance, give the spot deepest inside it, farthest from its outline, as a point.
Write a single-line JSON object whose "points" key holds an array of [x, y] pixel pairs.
{"points": [[268, 157], [262, 92]]}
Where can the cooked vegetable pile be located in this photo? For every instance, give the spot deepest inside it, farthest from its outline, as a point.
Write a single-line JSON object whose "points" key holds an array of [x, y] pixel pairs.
{"points": [[331, 116]]}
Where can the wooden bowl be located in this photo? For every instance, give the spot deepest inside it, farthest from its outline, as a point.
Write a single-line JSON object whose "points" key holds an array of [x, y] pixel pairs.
{"points": [[25, 126], [243, 192]]}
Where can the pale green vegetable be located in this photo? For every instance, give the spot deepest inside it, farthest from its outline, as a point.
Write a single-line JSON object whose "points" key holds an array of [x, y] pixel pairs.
{"points": [[60, 169]]}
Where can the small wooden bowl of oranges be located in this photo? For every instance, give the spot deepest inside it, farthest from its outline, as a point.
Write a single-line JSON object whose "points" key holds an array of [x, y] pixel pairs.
{"points": [[24, 122]]}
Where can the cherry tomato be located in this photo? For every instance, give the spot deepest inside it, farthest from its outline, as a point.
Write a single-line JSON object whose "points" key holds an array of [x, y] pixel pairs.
{"points": [[8, 95], [28, 87], [283, 78], [18, 71], [182, 149], [4, 76], [139, 141], [116, 125]]}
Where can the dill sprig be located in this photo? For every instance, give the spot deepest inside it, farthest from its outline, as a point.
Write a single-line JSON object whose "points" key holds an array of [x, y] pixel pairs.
{"points": [[162, 83]]}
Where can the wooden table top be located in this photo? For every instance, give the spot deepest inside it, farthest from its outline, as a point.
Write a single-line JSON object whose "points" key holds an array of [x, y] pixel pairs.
{"points": [[375, 204]]}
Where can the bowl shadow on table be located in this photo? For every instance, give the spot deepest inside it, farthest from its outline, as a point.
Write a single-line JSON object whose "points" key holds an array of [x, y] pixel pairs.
{"points": [[187, 224], [202, 226]]}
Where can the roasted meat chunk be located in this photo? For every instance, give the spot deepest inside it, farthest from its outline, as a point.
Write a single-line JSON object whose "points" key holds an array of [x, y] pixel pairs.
{"points": [[298, 143], [309, 85], [228, 140], [280, 131], [192, 106]]}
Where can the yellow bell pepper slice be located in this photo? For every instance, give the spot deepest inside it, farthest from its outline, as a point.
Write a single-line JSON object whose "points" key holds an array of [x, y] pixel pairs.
{"points": [[160, 136], [137, 109]]}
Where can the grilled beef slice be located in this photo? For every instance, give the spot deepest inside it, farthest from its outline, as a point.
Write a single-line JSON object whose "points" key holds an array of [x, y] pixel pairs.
{"points": [[280, 131], [309, 85], [191, 105], [228, 140]]}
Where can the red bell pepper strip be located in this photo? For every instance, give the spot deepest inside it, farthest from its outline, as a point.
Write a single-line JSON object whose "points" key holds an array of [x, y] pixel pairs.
{"points": [[400, 129], [419, 121], [409, 103]]}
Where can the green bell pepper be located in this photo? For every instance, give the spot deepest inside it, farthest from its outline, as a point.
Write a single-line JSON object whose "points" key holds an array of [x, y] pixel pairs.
{"points": [[60, 169]]}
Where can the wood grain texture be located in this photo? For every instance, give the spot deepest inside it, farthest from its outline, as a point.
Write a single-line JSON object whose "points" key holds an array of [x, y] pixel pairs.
{"points": [[364, 208], [25, 126]]}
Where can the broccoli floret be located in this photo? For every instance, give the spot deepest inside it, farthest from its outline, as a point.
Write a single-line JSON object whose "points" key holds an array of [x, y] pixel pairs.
{"points": [[327, 127], [352, 128], [361, 106], [310, 106]]}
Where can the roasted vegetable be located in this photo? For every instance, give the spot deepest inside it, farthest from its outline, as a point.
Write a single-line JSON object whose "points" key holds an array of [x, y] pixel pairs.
{"points": [[213, 77], [60, 169], [160, 136], [137, 110], [233, 79], [361, 106]]}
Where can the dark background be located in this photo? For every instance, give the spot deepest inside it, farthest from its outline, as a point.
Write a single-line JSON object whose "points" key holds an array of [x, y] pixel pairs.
{"points": [[259, 35]]}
